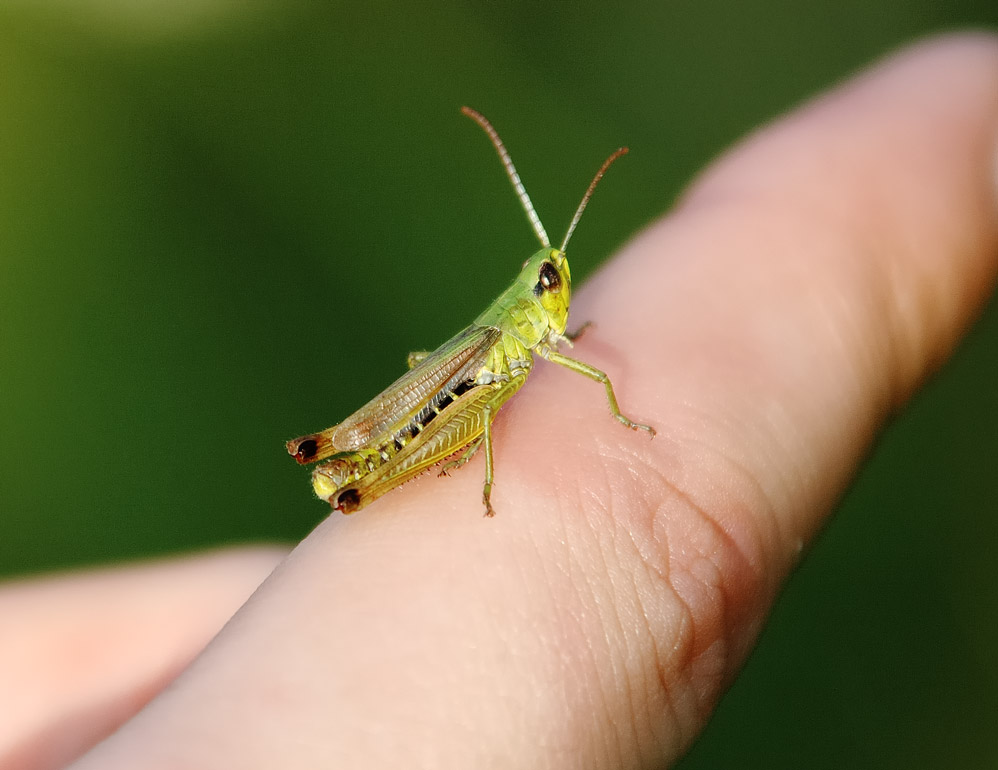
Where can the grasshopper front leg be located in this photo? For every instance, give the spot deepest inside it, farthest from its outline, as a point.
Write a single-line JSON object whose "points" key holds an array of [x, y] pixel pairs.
{"points": [[600, 376], [577, 335]]}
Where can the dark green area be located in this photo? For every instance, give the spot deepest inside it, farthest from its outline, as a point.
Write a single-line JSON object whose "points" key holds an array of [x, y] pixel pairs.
{"points": [[223, 228]]}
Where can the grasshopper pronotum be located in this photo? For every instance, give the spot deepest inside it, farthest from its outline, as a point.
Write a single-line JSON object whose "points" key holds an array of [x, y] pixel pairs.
{"points": [[448, 399]]}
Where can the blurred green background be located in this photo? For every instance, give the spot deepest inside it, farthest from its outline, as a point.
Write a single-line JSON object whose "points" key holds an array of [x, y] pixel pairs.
{"points": [[225, 224]]}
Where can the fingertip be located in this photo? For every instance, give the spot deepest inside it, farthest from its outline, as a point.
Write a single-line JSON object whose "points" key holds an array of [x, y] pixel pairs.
{"points": [[812, 278]]}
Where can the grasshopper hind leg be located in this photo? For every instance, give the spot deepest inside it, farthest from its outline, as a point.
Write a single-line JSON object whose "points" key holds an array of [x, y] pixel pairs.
{"points": [[465, 456]]}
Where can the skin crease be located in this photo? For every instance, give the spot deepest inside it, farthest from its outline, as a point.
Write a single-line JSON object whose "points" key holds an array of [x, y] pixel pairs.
{"points": [[799, 293]]}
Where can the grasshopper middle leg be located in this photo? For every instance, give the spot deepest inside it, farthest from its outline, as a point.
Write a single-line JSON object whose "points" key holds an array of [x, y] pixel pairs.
{"points": [[487, 440]]}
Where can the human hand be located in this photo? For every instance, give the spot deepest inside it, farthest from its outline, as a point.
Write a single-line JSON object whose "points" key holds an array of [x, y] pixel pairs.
{"points": [[799, 293]]}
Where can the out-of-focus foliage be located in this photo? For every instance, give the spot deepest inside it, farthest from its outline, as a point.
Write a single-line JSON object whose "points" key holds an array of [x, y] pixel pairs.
{"points": [[221, 227]]}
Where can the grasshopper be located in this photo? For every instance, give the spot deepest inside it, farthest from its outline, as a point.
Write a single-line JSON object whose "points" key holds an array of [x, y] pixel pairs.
{"points": [[449, 398]]}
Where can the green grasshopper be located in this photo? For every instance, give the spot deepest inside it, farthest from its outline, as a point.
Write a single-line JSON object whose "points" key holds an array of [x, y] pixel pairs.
{"points": [[448, 399]]}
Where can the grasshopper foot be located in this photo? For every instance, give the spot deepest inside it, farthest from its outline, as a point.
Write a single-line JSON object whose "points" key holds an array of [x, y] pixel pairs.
{"points": [[577, 335], [636, 425]]}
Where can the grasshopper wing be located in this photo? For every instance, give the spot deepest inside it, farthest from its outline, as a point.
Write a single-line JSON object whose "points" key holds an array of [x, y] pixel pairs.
{"points": [[461, 423], [423, 387]]}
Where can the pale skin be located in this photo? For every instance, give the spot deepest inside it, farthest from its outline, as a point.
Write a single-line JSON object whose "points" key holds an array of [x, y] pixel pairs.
{"points": [[800, 292]]}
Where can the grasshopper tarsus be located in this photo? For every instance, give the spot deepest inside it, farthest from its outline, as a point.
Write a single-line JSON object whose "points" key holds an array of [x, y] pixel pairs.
{"points": [[577, 334], [636, 425]]}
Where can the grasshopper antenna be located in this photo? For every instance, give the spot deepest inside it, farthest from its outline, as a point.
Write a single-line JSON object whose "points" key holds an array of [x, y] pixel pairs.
{"points": [[507, 162], [589, 194]]}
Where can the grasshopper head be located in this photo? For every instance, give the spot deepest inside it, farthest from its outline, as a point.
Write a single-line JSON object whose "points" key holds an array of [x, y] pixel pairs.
{"points": [[551, 281], [546, 273]]}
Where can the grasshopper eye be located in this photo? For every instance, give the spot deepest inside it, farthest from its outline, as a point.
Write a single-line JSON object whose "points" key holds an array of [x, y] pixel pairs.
{"points": [[548, 278]]}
